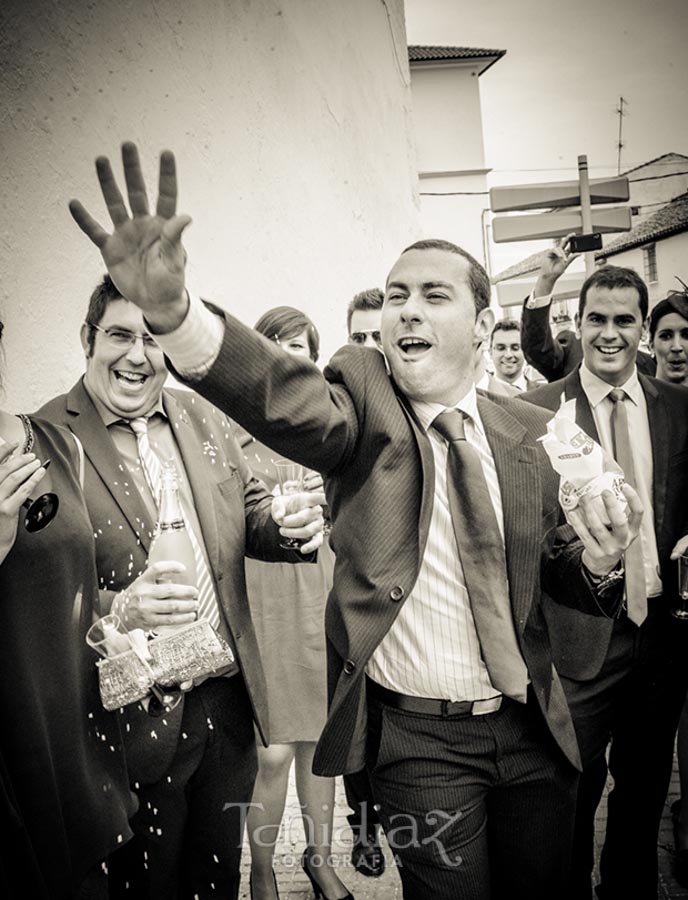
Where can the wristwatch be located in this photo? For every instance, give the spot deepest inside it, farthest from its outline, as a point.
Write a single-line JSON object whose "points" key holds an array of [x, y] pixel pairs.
{"points": [[607, 588]]}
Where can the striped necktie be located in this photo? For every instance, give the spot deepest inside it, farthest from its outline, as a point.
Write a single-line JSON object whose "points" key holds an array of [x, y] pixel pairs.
{"points": [[150, 463], [635, 586], [483, 560]]}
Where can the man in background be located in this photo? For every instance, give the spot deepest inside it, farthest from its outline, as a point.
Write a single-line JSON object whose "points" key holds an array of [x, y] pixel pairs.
{"points": [[625, 679], [556, 356], [363, 316], [511, 375]]}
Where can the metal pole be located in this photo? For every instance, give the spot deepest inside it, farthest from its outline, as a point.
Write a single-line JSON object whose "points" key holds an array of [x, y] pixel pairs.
{"points": [[620, 142], [586, 213]]}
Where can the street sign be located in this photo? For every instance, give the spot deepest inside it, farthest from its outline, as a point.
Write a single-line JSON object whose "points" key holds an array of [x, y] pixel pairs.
{"points": [[514, 292], [558, 224], [557, 194]]}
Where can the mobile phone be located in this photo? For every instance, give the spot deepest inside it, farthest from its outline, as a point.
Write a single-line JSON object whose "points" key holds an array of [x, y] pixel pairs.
{"points": [[582, 243]]}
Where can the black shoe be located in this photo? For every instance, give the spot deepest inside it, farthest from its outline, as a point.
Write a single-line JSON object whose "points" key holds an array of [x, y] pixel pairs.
{"points": [[317, 890], [367, 857]]}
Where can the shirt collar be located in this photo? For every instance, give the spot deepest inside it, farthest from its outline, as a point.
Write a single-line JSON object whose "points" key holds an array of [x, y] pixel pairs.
{"points": [[596, 389], [520, 382], [110, 418], [427, 412]]}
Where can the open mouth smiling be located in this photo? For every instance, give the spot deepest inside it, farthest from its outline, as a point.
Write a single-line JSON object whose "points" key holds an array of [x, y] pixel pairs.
{"points": [[130, 378], [412, 346], [609, 351]]}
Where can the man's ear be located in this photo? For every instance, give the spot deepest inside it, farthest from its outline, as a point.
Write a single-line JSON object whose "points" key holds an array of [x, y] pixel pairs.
{"points": [[83, 336], [484, 323], [576, 322], [645, 333]]}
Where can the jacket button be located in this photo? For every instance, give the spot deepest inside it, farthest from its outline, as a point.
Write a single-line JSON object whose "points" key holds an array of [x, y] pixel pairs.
{"points": [[349, 667], [396, 593]]}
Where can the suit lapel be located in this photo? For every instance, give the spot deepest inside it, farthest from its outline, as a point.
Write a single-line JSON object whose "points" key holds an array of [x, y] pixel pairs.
{"points": [[519, 483], [100, 449], [573, 390], [658, 418], [190, 449], [428, 468]]}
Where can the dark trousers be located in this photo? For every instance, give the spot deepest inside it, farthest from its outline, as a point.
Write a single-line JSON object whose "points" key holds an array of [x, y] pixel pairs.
{"points": [[364, 818], [635, 701], [190, 823], [476, 807]]}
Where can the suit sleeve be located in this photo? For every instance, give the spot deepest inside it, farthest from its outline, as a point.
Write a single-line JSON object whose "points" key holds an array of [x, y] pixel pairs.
{"points": [[565, 580], [540, 348], [283, 400]]}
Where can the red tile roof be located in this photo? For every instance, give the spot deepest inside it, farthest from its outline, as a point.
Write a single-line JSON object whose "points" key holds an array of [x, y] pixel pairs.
{"points": [[670, 219]]}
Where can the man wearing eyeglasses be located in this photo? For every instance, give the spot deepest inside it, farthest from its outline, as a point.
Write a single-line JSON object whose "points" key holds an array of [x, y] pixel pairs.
{"points": [[194, 767], [363, 317]]}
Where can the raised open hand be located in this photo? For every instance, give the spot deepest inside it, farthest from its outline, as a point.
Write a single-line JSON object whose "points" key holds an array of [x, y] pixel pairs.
{"points": [[144, 254]]}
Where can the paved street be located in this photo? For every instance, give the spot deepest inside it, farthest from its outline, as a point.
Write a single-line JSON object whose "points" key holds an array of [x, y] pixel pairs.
{"points": [[294, 885]]}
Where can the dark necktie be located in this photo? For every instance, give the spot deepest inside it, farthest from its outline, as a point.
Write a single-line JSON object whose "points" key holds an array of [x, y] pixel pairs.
{"points": [[635, 587], [481, 551]]}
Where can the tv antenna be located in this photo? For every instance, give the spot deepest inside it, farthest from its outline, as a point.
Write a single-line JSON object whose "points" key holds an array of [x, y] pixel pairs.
{"points": [[619, 144]]}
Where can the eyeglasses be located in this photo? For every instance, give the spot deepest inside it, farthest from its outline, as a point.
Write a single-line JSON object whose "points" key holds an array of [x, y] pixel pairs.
{"points": [[124, 339], [359, 337]]}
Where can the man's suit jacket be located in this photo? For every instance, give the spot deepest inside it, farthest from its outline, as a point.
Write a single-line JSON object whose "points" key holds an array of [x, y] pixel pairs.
{"points": [[556, 356], [580, 642], [355, 428], [233, 509]]}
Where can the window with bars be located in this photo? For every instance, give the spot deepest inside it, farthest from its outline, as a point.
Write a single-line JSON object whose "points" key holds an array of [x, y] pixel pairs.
{"points": [[650, 263]]}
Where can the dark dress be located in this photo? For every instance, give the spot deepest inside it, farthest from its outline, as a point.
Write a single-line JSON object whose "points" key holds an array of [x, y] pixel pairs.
{"points": [[64, 791], [288, 610]]}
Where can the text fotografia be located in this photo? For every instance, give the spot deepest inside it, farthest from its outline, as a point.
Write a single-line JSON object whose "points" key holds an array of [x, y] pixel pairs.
{"points": [[403, 832]]}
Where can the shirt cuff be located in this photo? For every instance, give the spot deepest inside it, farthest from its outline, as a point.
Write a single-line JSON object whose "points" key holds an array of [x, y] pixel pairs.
{"points": [[195, 345], [534, 302]]}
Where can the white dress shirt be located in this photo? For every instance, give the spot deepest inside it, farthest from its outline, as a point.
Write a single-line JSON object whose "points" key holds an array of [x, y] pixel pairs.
{"points": [[597, 391], [432, 649]]}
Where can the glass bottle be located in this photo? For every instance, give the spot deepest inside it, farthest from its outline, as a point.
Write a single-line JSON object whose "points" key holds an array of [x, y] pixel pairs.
{"points": [[171, 539]]}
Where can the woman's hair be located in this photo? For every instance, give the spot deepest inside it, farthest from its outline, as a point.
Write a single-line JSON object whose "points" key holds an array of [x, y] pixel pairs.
{"points": [[283, 322], [675, 303]]}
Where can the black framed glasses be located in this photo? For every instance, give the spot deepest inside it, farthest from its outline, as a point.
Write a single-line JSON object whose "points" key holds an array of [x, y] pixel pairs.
{"points": [[359, 337], [125, 339]]}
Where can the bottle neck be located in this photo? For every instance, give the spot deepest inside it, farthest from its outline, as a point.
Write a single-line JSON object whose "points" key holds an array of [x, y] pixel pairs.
{"points": [[170, 515]]}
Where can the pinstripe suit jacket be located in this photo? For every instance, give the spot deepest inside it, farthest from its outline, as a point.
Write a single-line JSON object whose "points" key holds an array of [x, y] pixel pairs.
{"points": [[355, 428], [233, 509], [580, 642]]}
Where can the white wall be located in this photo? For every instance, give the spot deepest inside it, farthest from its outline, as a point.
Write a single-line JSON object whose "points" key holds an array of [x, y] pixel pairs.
{"points": [[291, 125], [446, 115], [672, 259], [449, 142]]}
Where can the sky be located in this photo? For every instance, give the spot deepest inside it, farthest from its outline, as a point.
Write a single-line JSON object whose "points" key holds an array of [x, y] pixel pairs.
{"points": [[554, 95]]}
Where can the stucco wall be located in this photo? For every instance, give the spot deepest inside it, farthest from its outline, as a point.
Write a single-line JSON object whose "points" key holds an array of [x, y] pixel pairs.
{"points": [[292, 129], [449, 145], [447, 118], [672, 260]]}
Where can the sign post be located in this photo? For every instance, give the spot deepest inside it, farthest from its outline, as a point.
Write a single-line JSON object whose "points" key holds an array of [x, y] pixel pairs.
{"points": [[586, 212], [581, 219]]}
